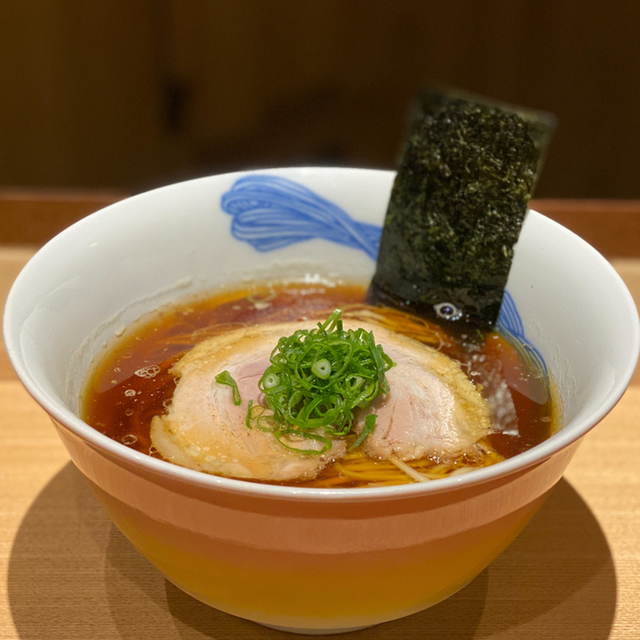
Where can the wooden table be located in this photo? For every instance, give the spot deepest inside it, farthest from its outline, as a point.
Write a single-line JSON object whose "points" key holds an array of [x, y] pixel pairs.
{"points": [[66, 573]]}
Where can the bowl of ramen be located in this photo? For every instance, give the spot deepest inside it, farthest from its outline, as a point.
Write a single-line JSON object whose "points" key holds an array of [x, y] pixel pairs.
{"points": [[158, 334]]}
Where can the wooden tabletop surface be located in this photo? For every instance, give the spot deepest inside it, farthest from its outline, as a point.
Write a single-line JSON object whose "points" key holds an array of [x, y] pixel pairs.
{"points": [[66, 573]]}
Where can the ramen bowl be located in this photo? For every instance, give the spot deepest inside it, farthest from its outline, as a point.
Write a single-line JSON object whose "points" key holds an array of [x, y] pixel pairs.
{"points": [[294, 558]]}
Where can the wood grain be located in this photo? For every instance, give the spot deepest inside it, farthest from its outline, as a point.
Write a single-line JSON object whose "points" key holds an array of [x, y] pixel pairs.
{"points": [[33, 217], [612, 227]]}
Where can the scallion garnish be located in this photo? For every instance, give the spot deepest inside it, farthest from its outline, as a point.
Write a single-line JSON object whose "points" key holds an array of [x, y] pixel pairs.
{"points": [[270, 381], [369, 426], [321, 368], [317, 379], [226, 378]]}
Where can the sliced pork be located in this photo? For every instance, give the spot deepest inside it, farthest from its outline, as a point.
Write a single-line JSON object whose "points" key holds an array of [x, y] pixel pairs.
{"points": [[205, 430], [432, 408]]}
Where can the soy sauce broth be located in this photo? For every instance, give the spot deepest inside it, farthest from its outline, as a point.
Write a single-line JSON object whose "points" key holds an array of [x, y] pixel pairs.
{"points": [[131, 382]]}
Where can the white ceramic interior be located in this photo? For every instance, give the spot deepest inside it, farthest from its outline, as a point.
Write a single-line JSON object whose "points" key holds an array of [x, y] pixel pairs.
{"points": [[112, 267]]}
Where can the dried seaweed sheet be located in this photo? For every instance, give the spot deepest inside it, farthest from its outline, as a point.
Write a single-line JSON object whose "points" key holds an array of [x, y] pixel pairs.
{"points": [[457, 206]]}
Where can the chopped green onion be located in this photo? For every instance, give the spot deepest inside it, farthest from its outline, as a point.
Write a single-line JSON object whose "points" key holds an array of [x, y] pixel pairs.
{"points": [[309, 436], [321, 368], [225, 377], [317, 379], [271, 381], [250, 414], [367, 429]]}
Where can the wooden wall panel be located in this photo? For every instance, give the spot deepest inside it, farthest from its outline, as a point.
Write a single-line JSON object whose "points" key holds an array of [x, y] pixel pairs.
{"points": [[81, 99], [133, 93]]}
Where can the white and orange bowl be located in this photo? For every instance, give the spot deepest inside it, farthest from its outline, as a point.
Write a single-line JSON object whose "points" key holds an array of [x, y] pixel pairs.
{"points": [[303, 559]]}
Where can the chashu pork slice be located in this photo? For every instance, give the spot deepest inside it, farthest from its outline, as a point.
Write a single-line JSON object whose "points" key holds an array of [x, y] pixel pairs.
{"points": [[432, 409], [204, 430]]}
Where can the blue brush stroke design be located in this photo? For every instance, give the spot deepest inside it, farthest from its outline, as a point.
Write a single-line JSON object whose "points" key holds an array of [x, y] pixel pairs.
{"points": [[510, 326], [271, 212]]}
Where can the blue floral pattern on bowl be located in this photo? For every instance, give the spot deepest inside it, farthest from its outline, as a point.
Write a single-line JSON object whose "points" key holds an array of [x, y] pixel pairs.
{"points": [[270, 212]]}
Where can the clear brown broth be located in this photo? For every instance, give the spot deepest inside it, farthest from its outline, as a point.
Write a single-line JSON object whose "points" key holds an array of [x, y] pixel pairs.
{"points": [[131, 382]]}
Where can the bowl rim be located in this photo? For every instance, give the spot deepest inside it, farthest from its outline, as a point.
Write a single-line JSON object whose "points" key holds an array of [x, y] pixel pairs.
{"points": [[105, 445]]}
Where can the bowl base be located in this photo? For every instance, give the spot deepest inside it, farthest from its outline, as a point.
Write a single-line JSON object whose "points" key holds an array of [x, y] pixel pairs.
{"points": [[315, 632]]}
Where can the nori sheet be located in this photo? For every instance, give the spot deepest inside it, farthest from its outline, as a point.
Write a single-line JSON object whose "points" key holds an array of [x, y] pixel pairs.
{"points": [[457, 207]]}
